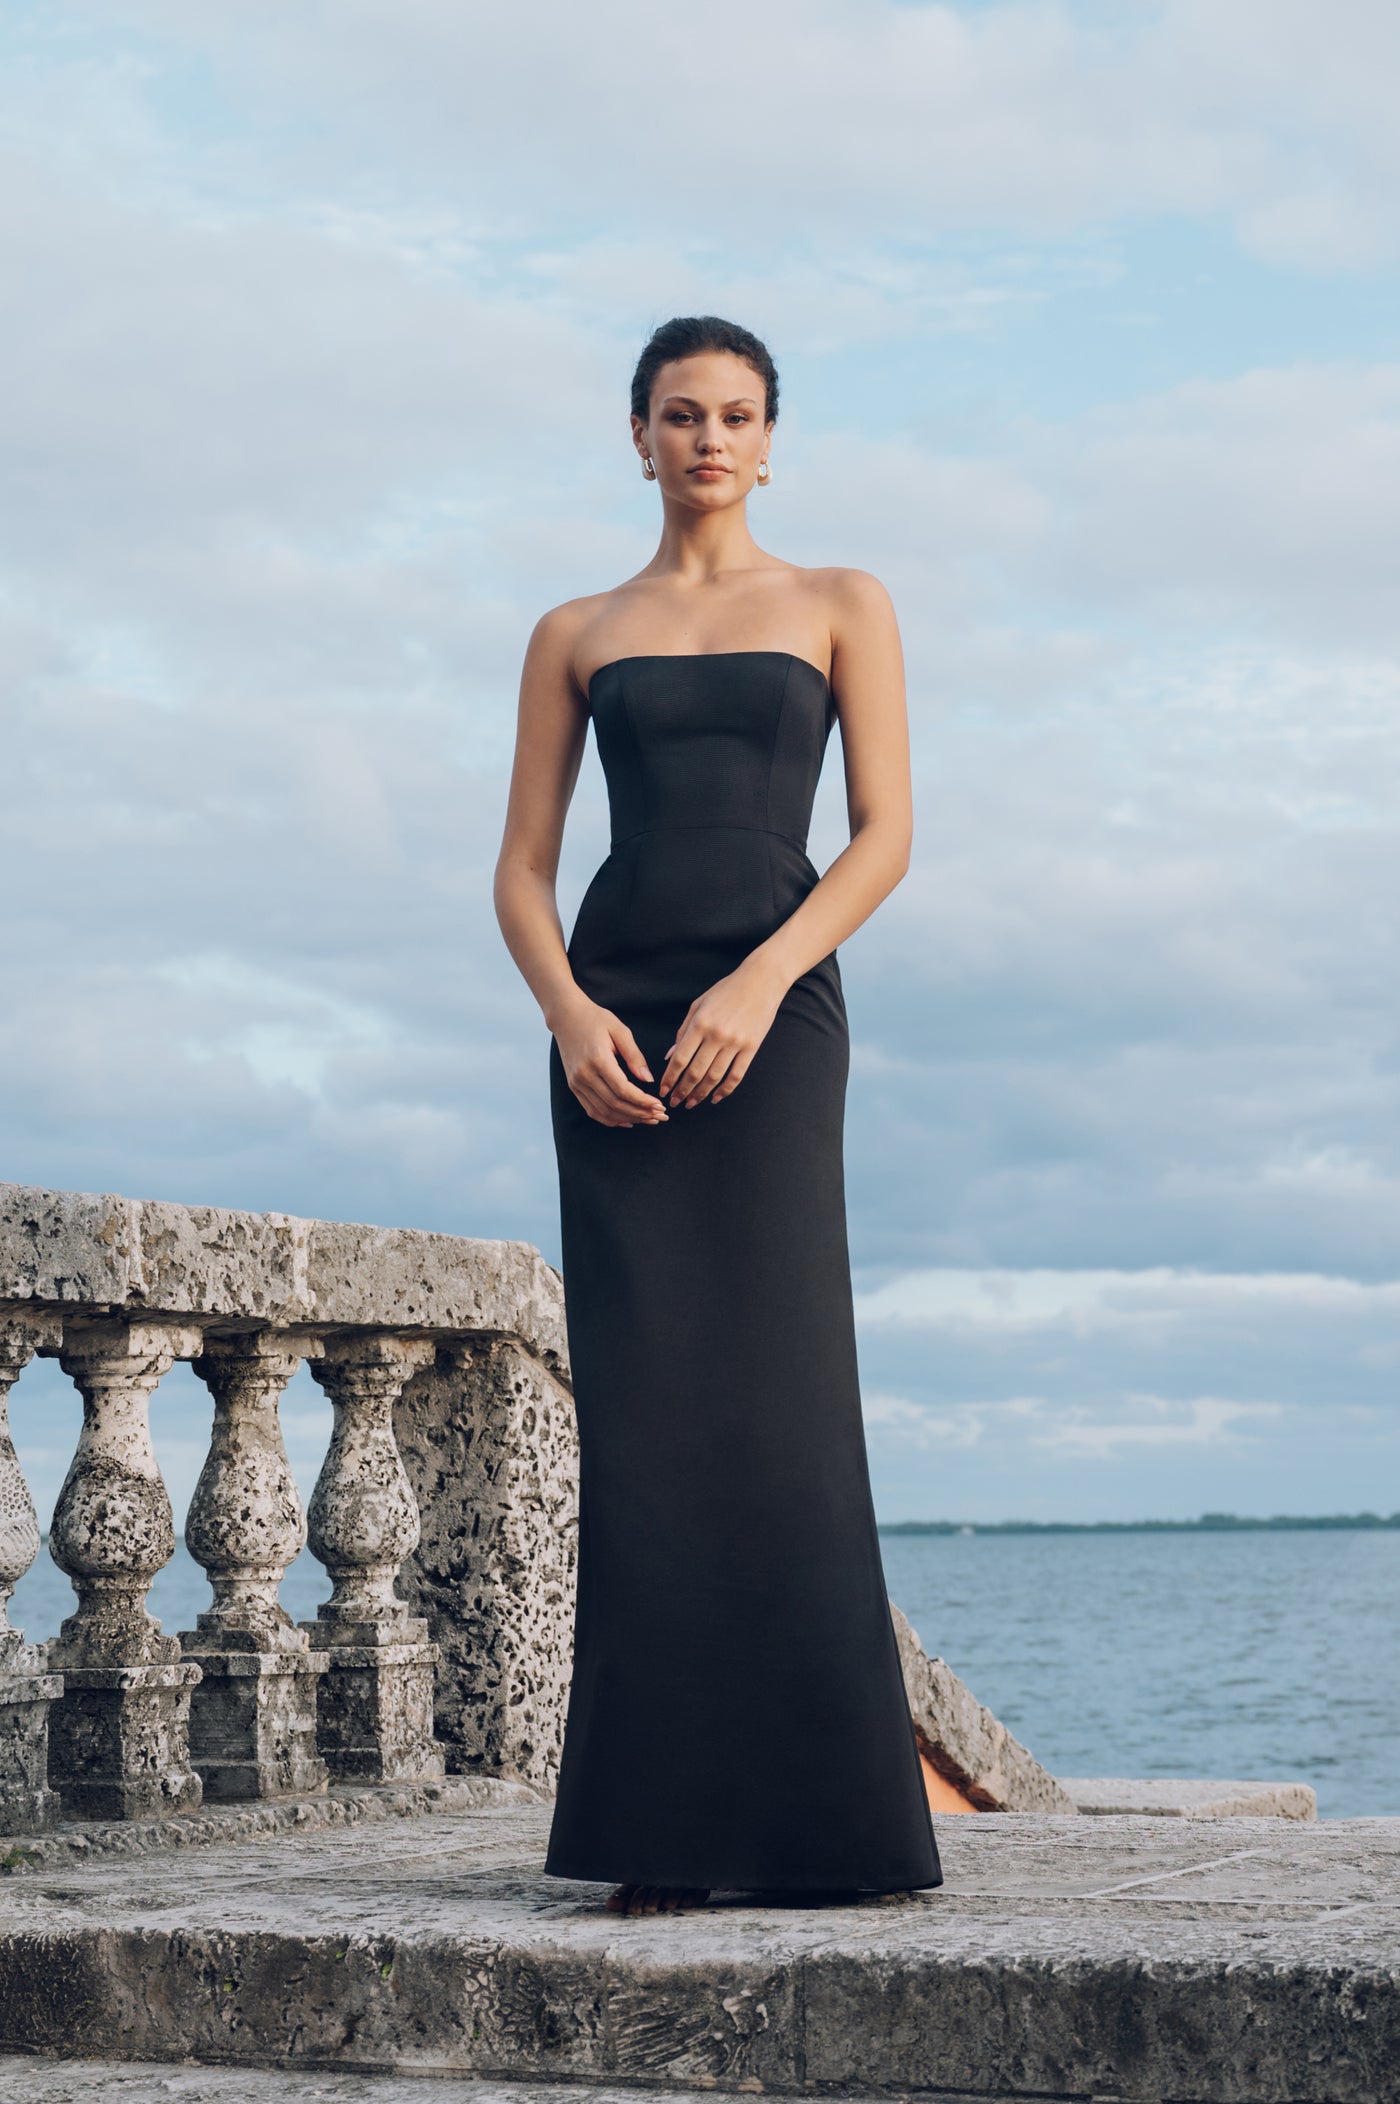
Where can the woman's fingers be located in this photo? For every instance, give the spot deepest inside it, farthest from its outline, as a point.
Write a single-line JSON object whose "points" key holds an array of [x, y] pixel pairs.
{"points": [[602, 1105], [608, 1069], [738, 1069], [711, 1073], [631, 1053], [598, 1050], [609, 1074], [707, 1081], [678, 1058], [690, 1062], [708, 1065], [594, 1101], [606, 1090], [701, 1066]]}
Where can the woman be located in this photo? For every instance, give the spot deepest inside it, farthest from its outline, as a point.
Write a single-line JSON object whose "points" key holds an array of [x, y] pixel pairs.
{"points": [[737, 1717]]}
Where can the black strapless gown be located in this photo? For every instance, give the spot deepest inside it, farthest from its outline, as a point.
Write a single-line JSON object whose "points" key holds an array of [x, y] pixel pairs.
{"points": [[737, 1717]]}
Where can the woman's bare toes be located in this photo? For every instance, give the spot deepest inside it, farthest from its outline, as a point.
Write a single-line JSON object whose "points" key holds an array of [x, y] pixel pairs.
{"points": [[655, 1899]]}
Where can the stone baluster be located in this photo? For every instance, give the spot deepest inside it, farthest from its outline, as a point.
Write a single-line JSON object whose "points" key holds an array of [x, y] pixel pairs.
{"points": [[376, 1702], [27, 1688], [253, 1715], [119, 1734]]}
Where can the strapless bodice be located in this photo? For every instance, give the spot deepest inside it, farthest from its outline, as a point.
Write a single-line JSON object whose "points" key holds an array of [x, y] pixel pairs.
{"points": [[711, 764], [727, 739]]}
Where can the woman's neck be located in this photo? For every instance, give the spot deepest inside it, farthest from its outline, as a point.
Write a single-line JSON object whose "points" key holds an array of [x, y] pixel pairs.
{"points": [[696, 548]]}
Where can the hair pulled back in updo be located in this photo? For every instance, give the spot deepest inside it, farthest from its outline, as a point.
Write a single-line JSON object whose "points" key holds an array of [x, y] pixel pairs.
{"points": [[688, 334]]}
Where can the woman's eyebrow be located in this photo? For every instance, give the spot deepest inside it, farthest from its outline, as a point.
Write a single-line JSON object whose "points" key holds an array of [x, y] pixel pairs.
{"points": [[689, 402]]}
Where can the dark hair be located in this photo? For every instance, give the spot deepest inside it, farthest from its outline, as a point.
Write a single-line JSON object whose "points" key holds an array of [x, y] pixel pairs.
{"points": [[689, 333]]}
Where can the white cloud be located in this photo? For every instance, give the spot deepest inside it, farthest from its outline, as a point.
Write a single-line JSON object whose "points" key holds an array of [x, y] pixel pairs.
{"points": [[957, 1425], [1262, 508], [1207, 1421], [839, 117], [1272, 492], [897, 1421], [1087, 1302]]}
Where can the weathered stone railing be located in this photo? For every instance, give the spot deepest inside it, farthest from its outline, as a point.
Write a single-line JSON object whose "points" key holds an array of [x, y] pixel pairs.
{"points": [[445, 1512]]}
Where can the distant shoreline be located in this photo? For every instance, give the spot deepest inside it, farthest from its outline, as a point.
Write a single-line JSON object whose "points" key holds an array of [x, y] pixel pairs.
{"points": [[1208, 1523]]}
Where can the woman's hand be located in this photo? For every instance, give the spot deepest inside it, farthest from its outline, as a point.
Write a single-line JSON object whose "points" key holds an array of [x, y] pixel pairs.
{"points": [[722, 1030], [596, 1047]]}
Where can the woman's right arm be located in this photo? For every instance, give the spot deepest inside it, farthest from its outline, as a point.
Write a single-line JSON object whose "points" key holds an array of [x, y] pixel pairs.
{"points": [[551, 731]]}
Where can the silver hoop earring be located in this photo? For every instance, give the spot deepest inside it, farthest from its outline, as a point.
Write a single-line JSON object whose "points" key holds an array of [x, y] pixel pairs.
{"points": [[765, 473], [648, 467]]}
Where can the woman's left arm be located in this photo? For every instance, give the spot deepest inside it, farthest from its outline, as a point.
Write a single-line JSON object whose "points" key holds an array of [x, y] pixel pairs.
{"points": [[728, 1022]]}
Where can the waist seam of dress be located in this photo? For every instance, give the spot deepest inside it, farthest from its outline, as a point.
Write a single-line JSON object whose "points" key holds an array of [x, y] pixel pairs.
{"points": [[720, 826]]}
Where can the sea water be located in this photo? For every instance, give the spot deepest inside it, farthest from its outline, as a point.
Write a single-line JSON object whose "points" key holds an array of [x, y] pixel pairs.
{"points": [[1243, 1656], [1240, 1656]]}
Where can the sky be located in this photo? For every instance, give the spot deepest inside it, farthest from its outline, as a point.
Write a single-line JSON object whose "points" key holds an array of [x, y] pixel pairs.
{"points": [[313, 396]]}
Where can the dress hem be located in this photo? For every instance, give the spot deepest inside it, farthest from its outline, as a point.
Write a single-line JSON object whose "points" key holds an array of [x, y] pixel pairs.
{"points": [[674, 1881]]}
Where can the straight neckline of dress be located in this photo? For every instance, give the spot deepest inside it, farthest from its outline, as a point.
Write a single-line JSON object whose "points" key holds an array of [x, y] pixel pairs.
{"points": [[668, 657]]}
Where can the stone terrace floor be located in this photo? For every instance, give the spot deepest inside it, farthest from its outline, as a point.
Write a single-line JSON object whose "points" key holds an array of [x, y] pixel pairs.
{"points": [[1164, 1960]]}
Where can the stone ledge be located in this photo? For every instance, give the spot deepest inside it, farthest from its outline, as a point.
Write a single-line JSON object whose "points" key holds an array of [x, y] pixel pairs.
{"points": [[39, 2079], [1235, 1962], [154, 1260], [213, 1825], [254, 1665], [1175, 1797], [965, 1743], [30, 1687]]}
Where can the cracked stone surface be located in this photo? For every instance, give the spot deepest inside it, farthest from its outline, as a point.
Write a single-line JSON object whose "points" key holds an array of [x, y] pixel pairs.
{"points": [[1138, 1958], [58, 1248], [489, 1441]]}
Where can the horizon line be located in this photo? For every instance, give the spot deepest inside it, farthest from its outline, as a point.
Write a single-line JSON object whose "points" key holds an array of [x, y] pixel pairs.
{"points": [[1207, 1523]]}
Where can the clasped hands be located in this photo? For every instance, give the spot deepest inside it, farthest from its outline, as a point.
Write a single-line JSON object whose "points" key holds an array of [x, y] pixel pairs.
{"points": [[712, 1052]]}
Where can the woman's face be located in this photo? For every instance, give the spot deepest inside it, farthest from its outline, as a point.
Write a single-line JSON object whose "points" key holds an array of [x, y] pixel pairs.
{"points": [[705, 434]]}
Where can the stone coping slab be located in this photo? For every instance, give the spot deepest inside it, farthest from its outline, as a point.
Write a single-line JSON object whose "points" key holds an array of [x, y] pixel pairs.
{"points": [[1240, 1961], [1175, 1797], [61, 1250]]}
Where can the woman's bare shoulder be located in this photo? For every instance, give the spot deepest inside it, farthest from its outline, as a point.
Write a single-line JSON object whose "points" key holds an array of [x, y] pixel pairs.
{"points": [[562, 634], [845, 591], [561, 627], [852, 606]]}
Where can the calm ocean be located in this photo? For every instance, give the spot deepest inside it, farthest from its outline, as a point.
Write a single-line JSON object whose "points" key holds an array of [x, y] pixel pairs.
{"points": [[1232, 1655], [1235, 1655]]}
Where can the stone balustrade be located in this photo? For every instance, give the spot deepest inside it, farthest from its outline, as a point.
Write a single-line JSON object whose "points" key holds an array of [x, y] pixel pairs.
{"points": [[445, 1513]]}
